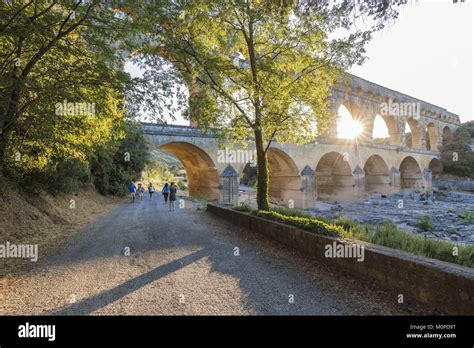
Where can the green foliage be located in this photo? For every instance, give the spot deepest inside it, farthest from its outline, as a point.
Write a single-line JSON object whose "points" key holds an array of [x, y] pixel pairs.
{"points": [[52, 54], [45, 152], [163, 167], [65, 175], [469, 126], [260, 70], [249, 177], [200, 199], [60, 58], [244, 208], [157, 155], [48, 56], [458, 158], [307, 224], [467, 217], [386, 234], [351, 227], [115, 165], [425, 223], [291, 212], [182, 186]]}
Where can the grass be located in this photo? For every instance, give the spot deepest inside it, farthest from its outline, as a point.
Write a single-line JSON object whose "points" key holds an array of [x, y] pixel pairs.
{"points": [[244, 208], [467, 217], [386, 234], [389, 235], [425, 223], [307, 224], [291, 212], [200, 199]]}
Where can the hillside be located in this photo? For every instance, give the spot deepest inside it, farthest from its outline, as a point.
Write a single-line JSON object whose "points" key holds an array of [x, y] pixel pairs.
{"points": [[165, 157], [47, 220]]}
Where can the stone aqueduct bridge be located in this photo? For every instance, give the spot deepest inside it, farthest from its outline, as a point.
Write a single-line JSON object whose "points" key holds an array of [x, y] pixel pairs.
{"points": [[330, 168]]}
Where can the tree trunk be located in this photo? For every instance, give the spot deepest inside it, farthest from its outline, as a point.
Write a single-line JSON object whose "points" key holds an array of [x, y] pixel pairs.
{"points": [[262, 173], [3, 150], [10, 117]]}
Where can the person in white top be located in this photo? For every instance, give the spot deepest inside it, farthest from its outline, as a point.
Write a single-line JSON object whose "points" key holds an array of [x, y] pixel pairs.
{"points": [[151, 191]]}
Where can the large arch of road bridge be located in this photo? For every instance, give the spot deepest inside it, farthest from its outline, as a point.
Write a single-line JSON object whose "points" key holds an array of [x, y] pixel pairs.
{"points": [[201, 171]]}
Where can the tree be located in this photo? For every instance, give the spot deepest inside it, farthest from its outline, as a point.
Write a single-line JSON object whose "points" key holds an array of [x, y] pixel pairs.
{"points": [[57, 54], [458, 158], [261, 70], [52, 51], [114, 165]]}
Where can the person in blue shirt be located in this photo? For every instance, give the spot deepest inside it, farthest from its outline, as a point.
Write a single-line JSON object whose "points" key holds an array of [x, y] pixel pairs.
{"points": [[166, 192], [133, 189]]}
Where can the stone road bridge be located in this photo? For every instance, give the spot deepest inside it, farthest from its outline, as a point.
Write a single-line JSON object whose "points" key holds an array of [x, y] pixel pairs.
{"points": [[329, 168]]}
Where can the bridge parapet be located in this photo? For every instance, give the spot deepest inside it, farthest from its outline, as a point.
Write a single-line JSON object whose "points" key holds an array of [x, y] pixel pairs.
{"points": [[174, 130], [188, 131]]}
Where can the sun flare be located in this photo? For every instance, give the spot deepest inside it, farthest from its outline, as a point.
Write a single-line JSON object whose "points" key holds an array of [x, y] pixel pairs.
{"points": [[347, 127], [356, 129]]}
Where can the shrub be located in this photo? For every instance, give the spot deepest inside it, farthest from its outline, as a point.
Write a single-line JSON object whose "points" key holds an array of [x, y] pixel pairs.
{"points": [[249, 177], [425, 223], [460, 145], [111, 172], [386, 234], [467, 217], [182, 185], [67, 175], [200, 199], [245, 208], [346, 223], [307, 224], [291, 212]]}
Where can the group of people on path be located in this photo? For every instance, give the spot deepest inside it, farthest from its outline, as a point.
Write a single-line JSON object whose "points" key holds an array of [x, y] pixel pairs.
{"points": [[169, 193]]}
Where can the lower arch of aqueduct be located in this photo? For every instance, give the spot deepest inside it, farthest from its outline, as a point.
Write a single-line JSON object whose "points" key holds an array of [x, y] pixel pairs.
{"points": [[329, 169]]}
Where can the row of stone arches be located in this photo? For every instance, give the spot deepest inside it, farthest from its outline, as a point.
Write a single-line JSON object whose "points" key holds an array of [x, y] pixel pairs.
{"points": [[391, 130], [335, 180], [334, 177]]}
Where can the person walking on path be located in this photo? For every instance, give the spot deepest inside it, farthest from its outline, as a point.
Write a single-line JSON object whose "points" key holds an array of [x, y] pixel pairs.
{"points": [[151, 191], [173, 190], [133, 189], [141, 191], [166, 192]]}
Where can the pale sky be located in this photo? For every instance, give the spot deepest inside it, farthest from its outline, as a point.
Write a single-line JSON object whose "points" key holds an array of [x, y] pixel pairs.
{"points": [[426, 53]]}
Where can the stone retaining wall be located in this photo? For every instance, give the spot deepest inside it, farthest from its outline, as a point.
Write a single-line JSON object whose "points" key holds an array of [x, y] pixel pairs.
{"points": [[438, 286]]}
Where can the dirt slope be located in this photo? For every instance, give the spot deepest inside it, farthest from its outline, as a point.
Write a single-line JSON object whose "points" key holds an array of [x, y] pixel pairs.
{"points": [[46, 220]]}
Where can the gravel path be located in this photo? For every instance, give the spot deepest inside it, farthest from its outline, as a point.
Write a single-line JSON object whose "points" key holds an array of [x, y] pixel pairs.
{"points": [[184, 262]]}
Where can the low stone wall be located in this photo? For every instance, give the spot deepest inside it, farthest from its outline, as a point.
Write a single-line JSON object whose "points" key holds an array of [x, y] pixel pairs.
{"points": [[456, 185], [437, 286]]}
